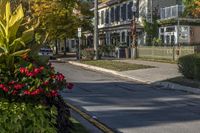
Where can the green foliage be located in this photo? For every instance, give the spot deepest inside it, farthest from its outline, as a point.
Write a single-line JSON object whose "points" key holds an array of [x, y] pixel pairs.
{"points": [[26, 118], [157, 42], [88, 53], [58, 18], [189, 7], [12, 45], [151, 28], [189, 66]]}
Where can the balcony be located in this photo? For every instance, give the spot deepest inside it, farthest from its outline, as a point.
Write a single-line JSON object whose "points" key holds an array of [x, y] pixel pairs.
{"points": [[171, 12]]}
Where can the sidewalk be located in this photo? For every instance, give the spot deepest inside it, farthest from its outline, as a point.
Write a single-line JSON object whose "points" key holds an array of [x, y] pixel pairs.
{"points": [[161, 72]]}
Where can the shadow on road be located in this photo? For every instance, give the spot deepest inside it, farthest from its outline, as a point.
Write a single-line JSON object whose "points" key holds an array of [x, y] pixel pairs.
{"points": [[125, 105]]}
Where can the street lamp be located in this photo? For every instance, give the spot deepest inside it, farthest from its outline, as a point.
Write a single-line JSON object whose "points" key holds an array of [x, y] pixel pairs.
{"points": [[134, 36], [96, 40]]}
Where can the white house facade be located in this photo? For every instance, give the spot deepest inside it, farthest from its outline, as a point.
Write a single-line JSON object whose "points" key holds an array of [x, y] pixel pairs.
{"points": [[115, 18]]}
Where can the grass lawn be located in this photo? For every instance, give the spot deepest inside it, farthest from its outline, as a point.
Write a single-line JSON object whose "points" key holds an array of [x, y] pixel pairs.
{"points": [[116, 65], [77, 126], [185, 82]]}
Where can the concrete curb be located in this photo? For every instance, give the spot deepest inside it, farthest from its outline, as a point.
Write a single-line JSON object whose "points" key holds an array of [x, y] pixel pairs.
{"points": [[173, 86], [104, 128], [165, 85]]}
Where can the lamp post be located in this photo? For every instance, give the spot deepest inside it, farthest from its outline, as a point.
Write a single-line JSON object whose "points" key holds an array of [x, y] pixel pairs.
{"points": [[96, 40], [134, 36]]}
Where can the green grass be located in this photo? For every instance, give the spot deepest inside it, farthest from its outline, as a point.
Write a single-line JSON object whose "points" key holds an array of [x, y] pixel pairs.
{"points": [[186, 82], [116, 65], [77, 127]]}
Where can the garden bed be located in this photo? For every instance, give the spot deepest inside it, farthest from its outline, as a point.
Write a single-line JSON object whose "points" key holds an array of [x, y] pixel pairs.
{"points": [[116, 65]]}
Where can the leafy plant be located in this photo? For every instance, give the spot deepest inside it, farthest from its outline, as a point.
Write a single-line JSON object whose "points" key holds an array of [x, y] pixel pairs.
{"points": [[12, 45], [26, 117], [31, 79]]}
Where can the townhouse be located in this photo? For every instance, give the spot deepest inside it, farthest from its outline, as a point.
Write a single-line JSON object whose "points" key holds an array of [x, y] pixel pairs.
{"points": [[115, 18]]}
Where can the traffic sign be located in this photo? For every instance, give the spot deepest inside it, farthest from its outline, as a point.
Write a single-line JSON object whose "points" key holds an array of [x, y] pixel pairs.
{"points": [[79, 32]]}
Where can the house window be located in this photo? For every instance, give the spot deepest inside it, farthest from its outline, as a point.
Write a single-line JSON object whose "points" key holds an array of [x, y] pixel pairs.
{"points": [[107, 16], [112, 14], [123, 37], [123, 12], [170, 29], [99, 18], [102, 17], [73, 44], [162, 30], [130, 12], [117, 13]]}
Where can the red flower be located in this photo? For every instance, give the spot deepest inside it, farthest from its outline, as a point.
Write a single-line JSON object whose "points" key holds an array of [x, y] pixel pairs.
{"points": [[14, 92], [53, 76], [37, 91], [70, 86], [23, 70], [18, 86], [46, 83], [27, 92], [36, 71], [30, 74], [5, 89], [41, 68], [53, 93], [11, 83], [60, 77], [2, 85]]}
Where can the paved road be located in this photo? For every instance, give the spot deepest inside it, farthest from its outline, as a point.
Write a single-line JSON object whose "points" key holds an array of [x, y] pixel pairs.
{"points": [[131, 107]]}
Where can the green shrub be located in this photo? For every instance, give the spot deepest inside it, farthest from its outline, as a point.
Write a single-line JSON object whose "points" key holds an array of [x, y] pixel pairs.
{"points": [[88, 53], [197, 67], [26, 118], [189, 66]]}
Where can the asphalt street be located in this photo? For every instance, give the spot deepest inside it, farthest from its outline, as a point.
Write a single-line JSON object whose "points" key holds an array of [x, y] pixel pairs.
{"points": [[131, 107]]}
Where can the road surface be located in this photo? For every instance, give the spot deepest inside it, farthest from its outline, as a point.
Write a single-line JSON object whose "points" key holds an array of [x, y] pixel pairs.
{"points": [[131, 107]]}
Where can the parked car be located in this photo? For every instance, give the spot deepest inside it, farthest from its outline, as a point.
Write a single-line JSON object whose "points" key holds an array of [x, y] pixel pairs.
{"points": [[46, 52]]}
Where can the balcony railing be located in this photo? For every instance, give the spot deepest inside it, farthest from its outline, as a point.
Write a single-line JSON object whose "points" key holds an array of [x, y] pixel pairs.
{"points": [[171, 12]]}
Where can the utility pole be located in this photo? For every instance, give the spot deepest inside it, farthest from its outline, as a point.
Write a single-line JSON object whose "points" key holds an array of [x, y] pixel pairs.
{"points": [[96, 40], [134, 36]]}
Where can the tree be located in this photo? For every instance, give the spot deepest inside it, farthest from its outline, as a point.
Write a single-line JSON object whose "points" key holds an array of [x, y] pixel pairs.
{"points": [[192, 8]]}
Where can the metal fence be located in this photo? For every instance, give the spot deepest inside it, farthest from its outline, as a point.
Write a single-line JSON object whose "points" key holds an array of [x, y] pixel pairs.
{"points": [[171, 53]]}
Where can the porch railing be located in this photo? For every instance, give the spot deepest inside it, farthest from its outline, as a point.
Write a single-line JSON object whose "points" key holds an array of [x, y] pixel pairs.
{"points": [[171, 12]]}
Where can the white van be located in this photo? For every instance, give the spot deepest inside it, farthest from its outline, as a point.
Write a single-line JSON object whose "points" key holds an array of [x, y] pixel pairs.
{"points": [[46, 52]]}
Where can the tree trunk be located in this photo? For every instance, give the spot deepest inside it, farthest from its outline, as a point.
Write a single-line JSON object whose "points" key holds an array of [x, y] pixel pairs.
{"points": [[65, 47], [56, 45]]}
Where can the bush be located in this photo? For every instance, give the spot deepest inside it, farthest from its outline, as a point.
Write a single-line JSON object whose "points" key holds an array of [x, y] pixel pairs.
{"points": [[189, 66], [88, 53], [21, 117], [30, 79]]}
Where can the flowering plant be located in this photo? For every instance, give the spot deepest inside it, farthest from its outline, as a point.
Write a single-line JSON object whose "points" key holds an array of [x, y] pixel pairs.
{"points": [[32, 79]]}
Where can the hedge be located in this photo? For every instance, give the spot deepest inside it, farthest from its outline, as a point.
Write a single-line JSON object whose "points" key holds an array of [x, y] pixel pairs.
{"points": [[189, 66]]}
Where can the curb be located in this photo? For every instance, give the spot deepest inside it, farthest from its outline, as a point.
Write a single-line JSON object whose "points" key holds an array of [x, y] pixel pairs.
{"points": [[173, 86], [104, 128], [165, 85]]}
